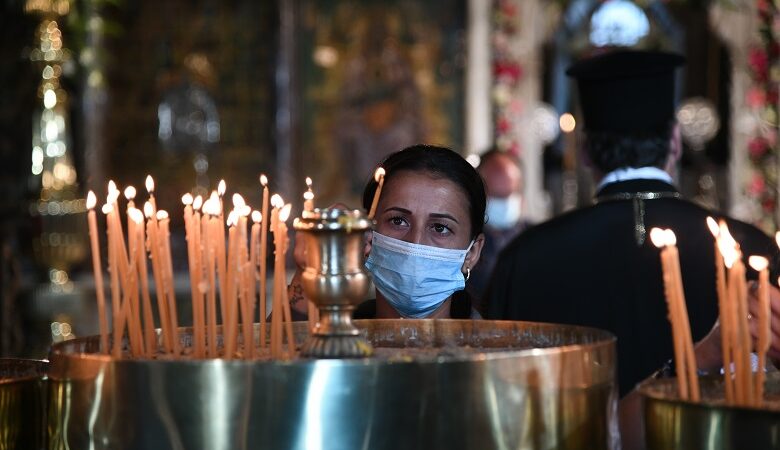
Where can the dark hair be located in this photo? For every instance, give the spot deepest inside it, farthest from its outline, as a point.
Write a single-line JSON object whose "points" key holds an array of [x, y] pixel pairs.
{"points": [[609, 151], [440, 162]]}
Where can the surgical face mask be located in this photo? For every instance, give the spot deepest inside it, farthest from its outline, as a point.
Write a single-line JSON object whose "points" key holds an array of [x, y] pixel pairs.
{"points": [[415, 279], [503, 212]]}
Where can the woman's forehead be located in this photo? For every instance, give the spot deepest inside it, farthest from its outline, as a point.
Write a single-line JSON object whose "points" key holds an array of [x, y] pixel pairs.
{"points": [[424, 192]]}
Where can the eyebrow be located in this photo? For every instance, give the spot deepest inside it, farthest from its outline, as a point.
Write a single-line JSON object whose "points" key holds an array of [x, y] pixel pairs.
{"points": [[401, 210], [443, 216], [431, 215]]}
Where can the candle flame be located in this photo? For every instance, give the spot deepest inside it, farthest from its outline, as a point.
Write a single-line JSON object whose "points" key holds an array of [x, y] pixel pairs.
{"points": [[221, 188], [207, 207], [758, 263], [308, 182], [107, 208], [186, 199], [256, 216], [777, 238], [91, 200], [263, 180], [727, 246], [245, 211], [148, 209], [112, 196], [136, 215], [658, 237], [379, 174], [238, 201], [111, 186], [285, 212], [308, 195], [197, 203], [149, 184], [232, 218], [277, 201], [162, 214], [216, 206], [211, 206], [130, 192], [725, 234], [713, 226], [671, 238]]}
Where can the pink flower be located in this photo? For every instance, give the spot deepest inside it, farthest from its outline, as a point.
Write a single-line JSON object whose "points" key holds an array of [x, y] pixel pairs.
{"points": [[503, 125], [508, 8], [755, 97], [759, 62], [756, 185], [762, 6], [509, 70], [757, 147], [516, 107]]}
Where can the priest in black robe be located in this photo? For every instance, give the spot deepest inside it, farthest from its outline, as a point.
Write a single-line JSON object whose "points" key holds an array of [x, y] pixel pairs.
{"points": [[596, 266]]}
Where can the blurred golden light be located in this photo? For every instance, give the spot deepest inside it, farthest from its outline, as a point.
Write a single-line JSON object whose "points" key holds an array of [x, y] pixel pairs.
{"points": [[567, 122]]}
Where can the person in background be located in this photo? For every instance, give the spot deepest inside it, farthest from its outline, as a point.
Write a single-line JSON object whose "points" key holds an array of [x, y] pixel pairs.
{"points": [[427, 239], [596, 266], [503, 177]]}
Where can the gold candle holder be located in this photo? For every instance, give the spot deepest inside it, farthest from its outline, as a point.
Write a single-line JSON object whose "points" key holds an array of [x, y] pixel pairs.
{"points": [[334, 279]]}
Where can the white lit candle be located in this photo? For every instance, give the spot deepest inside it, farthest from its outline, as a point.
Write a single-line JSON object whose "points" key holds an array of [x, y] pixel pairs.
{"points": [[97, 269], [379, 177]]}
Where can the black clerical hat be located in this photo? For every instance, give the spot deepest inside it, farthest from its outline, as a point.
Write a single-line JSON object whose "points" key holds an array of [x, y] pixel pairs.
{"points": [[627, 90]]}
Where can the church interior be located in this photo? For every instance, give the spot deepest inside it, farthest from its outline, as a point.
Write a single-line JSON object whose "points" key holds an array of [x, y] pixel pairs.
{"points": [[130, 291]]}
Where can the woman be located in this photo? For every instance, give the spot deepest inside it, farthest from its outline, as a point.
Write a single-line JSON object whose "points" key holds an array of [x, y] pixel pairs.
{"points": [[428, 236]]}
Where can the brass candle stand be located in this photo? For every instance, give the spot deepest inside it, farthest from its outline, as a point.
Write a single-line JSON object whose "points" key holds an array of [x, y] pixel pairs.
{"points": [[334, 279]]}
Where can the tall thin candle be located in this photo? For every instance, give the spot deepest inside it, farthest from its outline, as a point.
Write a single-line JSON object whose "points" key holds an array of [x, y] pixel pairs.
{"points": [[153, 248], [210, 254], [763, 316], [379, 177], [199, 283], [229, 323], [116, 349], [167, 265], [277, 313], [189, 230], [97, 269], [284, 213], [150, 337], [725, 326], [262, 260]]}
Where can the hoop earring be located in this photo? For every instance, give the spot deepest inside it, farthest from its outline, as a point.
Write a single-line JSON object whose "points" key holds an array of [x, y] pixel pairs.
{"points": [[468, 273]]}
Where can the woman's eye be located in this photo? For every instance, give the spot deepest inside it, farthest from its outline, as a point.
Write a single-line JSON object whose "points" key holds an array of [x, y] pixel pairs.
{"points": [[441, 228], [398, 221]]}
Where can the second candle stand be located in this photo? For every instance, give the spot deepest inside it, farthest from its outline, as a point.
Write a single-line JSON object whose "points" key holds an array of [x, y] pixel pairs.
{"points": [[334, 279]]}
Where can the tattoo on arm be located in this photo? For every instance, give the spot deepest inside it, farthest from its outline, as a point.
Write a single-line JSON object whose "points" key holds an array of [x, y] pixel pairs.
{"points": [[297, 299]]}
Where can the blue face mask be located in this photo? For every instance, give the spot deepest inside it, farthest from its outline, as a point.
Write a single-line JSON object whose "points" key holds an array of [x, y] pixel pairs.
{"points": [[415, 279]]}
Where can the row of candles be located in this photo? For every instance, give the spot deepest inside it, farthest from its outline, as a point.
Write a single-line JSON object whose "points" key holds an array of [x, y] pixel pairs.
{"points": [[742, 386], [222, 271]]}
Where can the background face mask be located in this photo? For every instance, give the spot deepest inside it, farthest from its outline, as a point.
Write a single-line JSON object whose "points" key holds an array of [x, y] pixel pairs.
{"points": [[503, 212], [415, 279]]}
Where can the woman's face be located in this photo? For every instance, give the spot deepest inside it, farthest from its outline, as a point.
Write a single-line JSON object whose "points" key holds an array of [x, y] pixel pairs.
{"points": [[422, 209]]}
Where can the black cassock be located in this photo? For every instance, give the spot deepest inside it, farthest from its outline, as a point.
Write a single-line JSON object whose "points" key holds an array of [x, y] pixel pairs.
{"points": [[587, 268]]}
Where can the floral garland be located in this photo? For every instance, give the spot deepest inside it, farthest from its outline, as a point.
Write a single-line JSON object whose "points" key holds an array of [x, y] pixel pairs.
{"points": [[507, 74], [762, 99]]}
